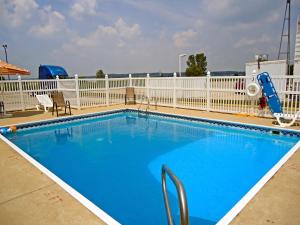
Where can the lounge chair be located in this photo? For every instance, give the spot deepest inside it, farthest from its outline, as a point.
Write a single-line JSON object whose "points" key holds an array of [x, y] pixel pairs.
{"points": [[283, 119], [59, 101], [130, 97], [45, 101]]}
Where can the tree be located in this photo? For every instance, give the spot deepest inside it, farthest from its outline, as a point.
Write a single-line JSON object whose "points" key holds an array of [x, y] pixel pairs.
{"points": [[100, 74], [196, 65]]}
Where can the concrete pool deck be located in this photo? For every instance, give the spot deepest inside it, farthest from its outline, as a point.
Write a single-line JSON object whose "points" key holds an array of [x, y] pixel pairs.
{"points": [[28, 197]]}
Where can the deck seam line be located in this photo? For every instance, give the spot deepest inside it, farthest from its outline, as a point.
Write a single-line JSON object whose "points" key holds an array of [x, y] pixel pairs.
{"points": [[27, 193]]}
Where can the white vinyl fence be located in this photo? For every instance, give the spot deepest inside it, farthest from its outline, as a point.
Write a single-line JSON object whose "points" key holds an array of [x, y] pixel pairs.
{"points": [[219, 94]]}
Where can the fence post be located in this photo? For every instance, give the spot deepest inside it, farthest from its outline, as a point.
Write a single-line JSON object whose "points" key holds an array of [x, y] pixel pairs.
{"points": [[147, 85], [57, 83], [208, 91], [21, 93], [252, 99], [174, 90], [130, 80], [106, 90], [77, 91]]}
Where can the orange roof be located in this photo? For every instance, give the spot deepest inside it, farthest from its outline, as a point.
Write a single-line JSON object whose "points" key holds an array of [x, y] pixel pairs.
{"points": [[9, 69]]}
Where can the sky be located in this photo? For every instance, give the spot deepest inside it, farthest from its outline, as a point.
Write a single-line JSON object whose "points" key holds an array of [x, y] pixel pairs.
{"points": [[127, 36]]}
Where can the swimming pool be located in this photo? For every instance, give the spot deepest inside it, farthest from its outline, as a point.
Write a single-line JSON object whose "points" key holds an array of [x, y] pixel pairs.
{"points": [[115, 161]]}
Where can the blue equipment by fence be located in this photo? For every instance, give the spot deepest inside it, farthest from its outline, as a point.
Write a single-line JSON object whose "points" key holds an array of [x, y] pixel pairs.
{"points": [[269, 92], [50, 72]]}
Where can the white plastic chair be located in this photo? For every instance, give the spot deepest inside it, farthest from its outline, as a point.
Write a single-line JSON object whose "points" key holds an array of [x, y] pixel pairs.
{"points": [[45, 101]]}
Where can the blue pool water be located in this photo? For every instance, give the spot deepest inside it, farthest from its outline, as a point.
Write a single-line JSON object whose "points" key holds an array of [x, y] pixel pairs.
{"points": [[115, 161]]}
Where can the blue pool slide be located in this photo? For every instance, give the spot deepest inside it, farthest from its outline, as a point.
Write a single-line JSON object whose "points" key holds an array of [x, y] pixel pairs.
{"points": [[269, 92]]}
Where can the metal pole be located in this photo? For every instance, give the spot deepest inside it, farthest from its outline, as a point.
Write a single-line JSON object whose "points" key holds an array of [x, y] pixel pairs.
{"points": [[5, 46], [179, 62]]}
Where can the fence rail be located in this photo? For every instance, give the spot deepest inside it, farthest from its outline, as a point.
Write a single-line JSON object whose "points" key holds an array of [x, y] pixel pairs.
{"points": [[220, 94]]}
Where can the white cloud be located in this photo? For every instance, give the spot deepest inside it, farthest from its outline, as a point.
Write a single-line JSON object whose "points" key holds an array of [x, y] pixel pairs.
{"points": [[125, 31], [184, 39], [273, 17], [268, 19], [162, 10], [139, 54], [249, 42], [119, 47], [224, 7], [52, 23], [199, 23], [216, 27], [83, 7], [15, 12], [117, 34]]}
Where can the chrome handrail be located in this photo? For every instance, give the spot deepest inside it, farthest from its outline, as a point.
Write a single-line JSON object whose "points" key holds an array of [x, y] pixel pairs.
{"points": [[142, 101], [184, 214], [148, 104]]}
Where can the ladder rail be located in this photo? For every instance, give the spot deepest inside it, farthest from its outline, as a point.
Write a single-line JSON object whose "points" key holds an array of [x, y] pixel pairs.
{"points": [[142, 100], [141, 103], [184, 214], [148, 104]]}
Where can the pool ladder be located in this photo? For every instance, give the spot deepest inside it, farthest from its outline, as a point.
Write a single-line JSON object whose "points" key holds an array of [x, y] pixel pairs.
{"points": [[184, 214], [148, 104]]}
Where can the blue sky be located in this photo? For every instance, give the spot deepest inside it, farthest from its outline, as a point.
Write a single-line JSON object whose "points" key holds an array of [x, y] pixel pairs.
{"points": [[126, 36]]}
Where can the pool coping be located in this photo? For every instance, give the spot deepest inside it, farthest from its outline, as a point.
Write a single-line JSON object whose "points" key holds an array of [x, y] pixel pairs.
{"points": [[226, 219]]}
